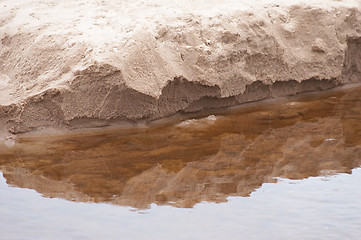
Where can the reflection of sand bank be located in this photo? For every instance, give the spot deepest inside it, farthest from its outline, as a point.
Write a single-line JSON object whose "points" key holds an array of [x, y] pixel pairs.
{"points": [[182, 166]]}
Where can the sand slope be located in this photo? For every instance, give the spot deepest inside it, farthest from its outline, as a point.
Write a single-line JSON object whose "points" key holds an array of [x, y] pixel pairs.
{"points": [[82, 63]]}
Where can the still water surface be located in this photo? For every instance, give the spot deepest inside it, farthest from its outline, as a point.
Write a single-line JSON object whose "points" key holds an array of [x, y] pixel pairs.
{"points": [[287, 169]]}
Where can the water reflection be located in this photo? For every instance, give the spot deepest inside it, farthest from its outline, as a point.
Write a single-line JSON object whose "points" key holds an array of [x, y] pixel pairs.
{"points": [[207, 159]]}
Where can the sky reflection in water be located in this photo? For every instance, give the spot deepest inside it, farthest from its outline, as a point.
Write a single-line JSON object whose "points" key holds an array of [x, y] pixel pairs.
{"points": [[314, 208]]}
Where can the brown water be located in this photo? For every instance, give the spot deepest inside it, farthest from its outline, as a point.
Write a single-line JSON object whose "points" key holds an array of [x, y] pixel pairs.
{"points": [[203, 160]]}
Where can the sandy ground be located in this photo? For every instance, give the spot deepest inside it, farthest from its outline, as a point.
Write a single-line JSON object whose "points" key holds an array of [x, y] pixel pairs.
{"points": [[82, 63]]}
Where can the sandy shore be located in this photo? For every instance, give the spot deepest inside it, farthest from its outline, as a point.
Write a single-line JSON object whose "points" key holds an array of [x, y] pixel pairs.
{"points": [[80, 63]]}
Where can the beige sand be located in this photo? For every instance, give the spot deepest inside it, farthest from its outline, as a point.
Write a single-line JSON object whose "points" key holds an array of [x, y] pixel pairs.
{"points": [[82, 63]]}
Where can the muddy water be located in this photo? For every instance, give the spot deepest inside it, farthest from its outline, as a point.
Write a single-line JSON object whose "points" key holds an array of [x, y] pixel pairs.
{"points": [[307, 145]]}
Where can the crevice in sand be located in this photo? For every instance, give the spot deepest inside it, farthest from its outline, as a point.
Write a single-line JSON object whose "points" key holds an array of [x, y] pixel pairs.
{"points": [[352, 65]]}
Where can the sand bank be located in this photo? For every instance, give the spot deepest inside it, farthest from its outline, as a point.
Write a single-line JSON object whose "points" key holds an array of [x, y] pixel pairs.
{"points": [[81, 63]]}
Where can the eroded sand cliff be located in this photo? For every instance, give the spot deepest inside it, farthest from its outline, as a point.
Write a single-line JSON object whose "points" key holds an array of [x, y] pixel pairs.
{"points": [[80, 63]]}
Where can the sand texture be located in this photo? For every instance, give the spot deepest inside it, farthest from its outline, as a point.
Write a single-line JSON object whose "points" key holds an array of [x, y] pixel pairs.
{"points": [[82, 63]]}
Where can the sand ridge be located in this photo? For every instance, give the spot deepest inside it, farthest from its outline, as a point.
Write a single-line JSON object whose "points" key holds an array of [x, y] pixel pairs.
{"points": [[84, 63]]}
